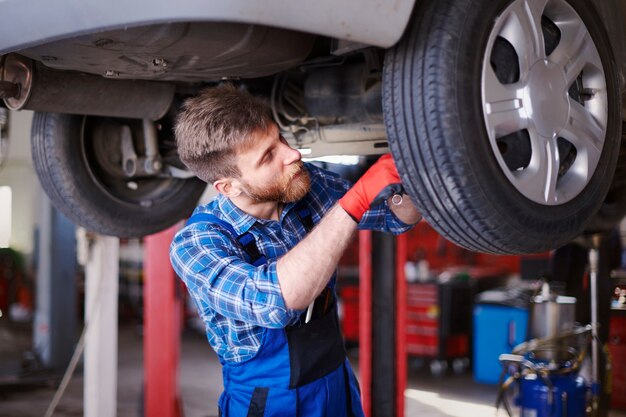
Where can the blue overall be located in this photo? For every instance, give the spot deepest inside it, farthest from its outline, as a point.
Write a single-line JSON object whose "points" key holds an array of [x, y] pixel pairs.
{"points": [[298, 371]]}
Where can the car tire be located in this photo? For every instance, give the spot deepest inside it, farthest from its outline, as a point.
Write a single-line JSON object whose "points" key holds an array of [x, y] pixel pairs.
{"points": [[613, 209], [447, 148], [62, 151]]}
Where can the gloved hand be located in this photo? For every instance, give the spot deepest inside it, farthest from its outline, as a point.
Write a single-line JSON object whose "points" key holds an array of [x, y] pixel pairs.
{"points": [[378, 183]]}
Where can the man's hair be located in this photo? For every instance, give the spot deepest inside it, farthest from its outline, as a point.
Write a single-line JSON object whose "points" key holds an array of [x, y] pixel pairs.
{"points": [[214, 125]]}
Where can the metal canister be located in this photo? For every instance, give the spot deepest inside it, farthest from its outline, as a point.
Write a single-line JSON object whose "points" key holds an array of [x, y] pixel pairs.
{"points": [[551, 315]]}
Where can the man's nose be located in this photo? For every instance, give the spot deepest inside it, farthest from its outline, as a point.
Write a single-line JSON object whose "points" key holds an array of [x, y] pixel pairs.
{"points": [[292, 155]]}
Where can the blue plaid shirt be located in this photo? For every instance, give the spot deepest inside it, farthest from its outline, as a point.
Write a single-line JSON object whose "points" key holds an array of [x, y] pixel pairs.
{"points": [[236, 300]]}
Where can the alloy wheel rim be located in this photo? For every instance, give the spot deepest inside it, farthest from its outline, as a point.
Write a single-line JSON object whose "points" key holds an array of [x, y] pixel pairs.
{"points": [[544, 98]]}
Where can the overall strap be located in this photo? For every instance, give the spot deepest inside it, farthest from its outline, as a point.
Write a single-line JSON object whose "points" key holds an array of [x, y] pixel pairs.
{"points": [[305, 216], [246, 240]]}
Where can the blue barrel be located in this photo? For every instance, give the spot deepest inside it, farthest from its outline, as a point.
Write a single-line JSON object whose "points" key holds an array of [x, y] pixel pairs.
{"points": [[497, 330], [569, 396]]}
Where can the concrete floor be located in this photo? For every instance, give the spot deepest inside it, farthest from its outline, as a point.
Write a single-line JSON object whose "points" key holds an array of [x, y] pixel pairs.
{"points": [[200, 383]]}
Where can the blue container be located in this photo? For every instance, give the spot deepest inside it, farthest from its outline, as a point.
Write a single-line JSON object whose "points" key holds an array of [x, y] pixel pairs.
{"points": [[497, 330], [568, 396]]}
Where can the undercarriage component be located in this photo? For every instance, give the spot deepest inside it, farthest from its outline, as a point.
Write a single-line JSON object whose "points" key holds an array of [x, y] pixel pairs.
{"points": [[134, 165], [356, 139], [335, 110], [152, 163], [43, 89], [346, 94]]}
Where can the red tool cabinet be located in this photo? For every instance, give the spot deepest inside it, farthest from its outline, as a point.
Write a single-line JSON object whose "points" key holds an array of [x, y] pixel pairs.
{"points": [[617, 350], [438, 322]]}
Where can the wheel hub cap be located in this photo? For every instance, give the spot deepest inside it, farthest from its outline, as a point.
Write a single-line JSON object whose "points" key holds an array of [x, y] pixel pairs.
{"points": [[544, 95], [546, 98]]}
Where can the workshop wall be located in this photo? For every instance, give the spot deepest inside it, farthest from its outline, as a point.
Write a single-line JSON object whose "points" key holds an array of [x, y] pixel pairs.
{"points": [[19, 174]]}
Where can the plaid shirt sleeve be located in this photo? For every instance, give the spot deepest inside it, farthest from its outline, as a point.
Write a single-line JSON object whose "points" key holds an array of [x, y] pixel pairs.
{"points": [[216, 274]]}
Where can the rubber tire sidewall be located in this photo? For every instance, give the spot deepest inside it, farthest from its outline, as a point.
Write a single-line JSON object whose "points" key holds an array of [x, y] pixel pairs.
{"points": [[613, 208], [64, 176], [433, 115]]}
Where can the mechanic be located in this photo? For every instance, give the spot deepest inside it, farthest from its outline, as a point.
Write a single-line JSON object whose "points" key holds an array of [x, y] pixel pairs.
{"points": [[259, 260]]}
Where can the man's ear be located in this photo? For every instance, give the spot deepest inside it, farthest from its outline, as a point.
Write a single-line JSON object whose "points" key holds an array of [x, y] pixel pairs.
{"points": [[229, 187]]}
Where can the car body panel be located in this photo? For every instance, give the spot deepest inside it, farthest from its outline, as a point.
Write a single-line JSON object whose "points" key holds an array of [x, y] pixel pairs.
{"points": [[183, 51], [353, 20]]}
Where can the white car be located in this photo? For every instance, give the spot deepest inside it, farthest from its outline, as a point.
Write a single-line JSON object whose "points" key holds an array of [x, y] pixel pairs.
{"points": [[504, 116]]}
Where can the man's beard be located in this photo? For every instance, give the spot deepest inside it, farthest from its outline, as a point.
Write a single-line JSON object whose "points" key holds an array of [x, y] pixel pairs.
{"points": [[283, 190]]}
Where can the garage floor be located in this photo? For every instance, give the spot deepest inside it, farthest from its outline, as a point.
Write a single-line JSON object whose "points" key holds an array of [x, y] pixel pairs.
{"points": [[200, 383]]}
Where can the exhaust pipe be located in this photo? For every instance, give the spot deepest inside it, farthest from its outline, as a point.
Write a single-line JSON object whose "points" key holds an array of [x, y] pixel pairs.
{"points": [[32, 86]]}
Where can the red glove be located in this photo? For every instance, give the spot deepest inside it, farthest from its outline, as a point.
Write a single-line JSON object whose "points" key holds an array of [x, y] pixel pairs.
{"points": [[379, 183]]}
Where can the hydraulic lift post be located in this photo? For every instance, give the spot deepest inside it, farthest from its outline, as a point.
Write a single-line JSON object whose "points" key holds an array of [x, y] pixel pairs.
{"points": [[162, 328], [601, 250], [382, 352], [55, 323], [584, 266], [101, 293]]}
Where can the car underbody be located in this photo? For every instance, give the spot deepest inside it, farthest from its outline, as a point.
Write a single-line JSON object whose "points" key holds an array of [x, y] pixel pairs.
{"points": [[528, 109]]}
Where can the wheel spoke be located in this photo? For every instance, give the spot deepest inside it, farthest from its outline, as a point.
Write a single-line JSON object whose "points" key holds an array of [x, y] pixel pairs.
{"points": [[539, 180], [575, 50], [523, 30], [583, 130], [551, 169], [503, 106]]}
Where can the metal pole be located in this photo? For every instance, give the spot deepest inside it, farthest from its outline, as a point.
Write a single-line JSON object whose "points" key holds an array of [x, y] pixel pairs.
{"points": [[594, 258], [101, 292], [593, 276]]}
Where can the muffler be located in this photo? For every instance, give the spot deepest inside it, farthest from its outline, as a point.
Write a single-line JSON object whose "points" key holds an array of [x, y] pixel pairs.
{"points": [[29, 85]]}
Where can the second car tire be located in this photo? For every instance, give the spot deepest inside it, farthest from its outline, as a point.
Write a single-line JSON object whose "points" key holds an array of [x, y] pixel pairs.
{"points": [[62, 150]]}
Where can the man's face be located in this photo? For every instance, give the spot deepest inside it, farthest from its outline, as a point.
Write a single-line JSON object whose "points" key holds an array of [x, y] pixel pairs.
{"points": [[271, 170]]}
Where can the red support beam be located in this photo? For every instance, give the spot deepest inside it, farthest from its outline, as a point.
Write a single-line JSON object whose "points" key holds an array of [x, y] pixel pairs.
{"points": [[365, 319], [162, 328]]}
